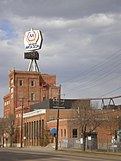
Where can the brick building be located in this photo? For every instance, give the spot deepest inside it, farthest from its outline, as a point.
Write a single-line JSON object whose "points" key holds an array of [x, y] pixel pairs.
{"points": [[43, 118], [33, 87], [33, 90], [39, 123], [36, 130], [27, 88], [45, 121]]}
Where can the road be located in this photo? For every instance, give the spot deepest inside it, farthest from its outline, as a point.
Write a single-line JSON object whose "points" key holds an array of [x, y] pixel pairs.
{"points": [[18, 155]]}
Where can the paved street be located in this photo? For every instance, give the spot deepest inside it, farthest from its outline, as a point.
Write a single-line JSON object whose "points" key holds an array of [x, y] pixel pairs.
{"points": [[18, 155]]}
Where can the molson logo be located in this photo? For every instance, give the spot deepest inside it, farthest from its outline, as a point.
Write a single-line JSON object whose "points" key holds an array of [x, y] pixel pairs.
{"points": [[33, 40]]}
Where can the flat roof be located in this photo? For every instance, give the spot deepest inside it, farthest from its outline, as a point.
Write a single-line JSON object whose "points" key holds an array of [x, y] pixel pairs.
{"points": [[34, 113]]}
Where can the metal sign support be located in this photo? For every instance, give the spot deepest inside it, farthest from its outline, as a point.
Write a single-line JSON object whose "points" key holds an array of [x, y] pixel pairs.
{"points": [[33, 66]]}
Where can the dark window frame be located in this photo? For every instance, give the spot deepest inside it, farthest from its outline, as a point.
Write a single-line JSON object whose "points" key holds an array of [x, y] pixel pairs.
{"points": [[74, 133], [32, 83], [20, 82]]}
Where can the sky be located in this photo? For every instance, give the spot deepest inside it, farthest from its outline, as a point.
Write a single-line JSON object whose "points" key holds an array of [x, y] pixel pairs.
{"points": [[81, 44]]}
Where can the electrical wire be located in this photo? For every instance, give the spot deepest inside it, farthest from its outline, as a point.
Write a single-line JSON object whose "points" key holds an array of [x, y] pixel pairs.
{"points": [[94, 82], [94, 67], [112, 91], [100, 68]]}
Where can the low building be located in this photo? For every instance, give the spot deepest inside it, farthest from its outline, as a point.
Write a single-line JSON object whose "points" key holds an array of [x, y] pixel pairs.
{"points": [[39, 123], [33, 120], [40, 128]]}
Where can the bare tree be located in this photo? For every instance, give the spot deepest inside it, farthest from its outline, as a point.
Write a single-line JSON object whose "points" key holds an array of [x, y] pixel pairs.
{"points": [[111, 122], [10, 122], [7, 128], [87, 118], [2, 129]]}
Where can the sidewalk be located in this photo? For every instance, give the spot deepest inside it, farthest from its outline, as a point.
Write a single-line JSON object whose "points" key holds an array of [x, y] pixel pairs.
{"points": [[39, 148], [51, 148]]}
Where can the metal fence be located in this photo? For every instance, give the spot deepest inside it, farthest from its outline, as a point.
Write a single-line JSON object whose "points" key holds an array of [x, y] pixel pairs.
{"points": [[91, 144]]}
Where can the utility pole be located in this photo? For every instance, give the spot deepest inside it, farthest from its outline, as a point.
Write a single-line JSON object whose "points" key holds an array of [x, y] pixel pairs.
{"points": [[57, 126], [22, 122], [57, 129]]}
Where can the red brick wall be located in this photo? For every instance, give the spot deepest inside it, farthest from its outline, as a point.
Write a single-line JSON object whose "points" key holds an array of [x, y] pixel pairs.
{"points": [[44, 89]]}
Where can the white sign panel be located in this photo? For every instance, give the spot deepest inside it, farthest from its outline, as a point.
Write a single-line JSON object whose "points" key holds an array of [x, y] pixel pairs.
{"points": [[81, 140], [33, 40], [89, 137]]}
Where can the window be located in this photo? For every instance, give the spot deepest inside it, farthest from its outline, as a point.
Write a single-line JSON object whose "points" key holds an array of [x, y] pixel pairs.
{"points": [[32, 83], [21, 82], [41, 128], [30, 130], [32, 96], [25, 129], [64, 132], [74, 133], [61, 132], [34, 128]]}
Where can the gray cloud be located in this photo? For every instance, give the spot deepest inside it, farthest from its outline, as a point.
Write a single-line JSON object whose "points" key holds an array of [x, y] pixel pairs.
{"points": [[57, 8], [80, 42]]}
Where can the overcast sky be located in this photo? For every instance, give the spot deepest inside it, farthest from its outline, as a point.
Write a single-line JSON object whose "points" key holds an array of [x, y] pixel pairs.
{"points": [[81, 43]]}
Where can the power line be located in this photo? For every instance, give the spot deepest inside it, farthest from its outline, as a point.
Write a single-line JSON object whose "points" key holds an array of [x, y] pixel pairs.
{"points": [[94, 82], [113, 67], [94, 67], [111, 91]]}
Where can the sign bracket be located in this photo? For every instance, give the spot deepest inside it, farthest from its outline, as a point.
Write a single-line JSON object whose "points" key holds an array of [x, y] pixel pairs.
{"points": [[33, 66]]}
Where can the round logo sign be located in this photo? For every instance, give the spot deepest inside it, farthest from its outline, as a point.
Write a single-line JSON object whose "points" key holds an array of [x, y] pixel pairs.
{"points": [[32, 37], [33, 40]]}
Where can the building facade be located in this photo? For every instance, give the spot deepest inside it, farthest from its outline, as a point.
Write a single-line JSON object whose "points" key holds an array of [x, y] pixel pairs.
{"points": [[32, 87], [33, 100], [44, 124], [27, 88], [35, 129], [38, 125]]}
